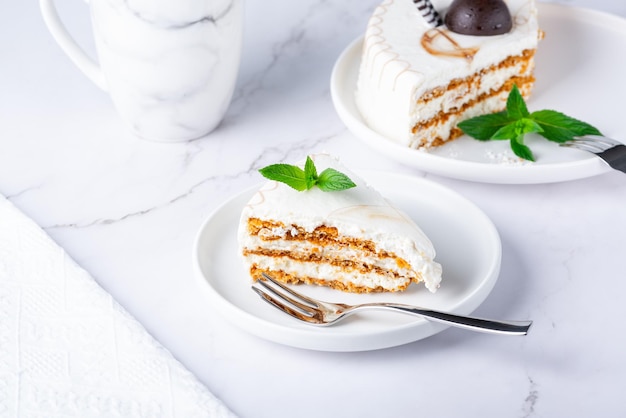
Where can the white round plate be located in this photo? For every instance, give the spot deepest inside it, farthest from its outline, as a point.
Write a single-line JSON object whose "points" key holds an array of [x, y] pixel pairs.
{"points": [[468, 247], [580, 65]]}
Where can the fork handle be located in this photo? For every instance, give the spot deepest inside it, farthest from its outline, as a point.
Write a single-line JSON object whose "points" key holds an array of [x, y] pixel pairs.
{"points": [[468, 322], [615, 157]]}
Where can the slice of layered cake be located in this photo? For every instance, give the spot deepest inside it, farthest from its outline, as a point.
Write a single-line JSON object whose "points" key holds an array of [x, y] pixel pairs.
{"points": [[352, 240], [428, 65]]}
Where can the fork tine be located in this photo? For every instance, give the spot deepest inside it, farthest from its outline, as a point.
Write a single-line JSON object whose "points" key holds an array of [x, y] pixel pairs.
{"points": [[275, 297], [592, 143], [598, 139], [300, 297], [583, 146], [294, 311]]}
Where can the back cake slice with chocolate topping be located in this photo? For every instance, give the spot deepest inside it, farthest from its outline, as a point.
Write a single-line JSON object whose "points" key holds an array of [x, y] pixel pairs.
{"points": [[427, 65], [353, 239]]}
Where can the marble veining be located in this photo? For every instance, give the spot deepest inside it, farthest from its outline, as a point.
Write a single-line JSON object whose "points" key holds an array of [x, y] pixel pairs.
{"points": [[164, 21], [531, 400]]}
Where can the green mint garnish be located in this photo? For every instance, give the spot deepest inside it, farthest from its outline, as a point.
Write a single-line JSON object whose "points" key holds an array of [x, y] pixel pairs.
{"points": [[328, 180], [516, 121]]}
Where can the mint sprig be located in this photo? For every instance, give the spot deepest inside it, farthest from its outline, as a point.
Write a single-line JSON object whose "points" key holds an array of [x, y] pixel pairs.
{"points": [[295, 177], [516, 121]]}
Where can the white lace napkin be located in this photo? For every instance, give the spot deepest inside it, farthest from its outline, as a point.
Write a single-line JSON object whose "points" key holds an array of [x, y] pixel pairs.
{"points": [[67, 349]]}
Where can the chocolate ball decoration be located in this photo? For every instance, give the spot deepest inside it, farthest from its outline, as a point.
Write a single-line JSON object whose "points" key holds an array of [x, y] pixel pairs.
{"points": [[479, 17]]}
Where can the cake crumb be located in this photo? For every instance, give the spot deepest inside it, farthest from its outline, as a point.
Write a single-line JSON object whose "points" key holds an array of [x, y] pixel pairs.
{"points": [[505, 158]]}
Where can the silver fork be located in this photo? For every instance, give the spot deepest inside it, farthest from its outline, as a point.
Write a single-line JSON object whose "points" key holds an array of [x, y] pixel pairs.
{"points": [[321, 313], [610, 150]]}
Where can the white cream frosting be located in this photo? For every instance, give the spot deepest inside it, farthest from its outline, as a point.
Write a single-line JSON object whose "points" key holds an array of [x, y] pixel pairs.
{"points": [[360, 212], [396, 70]]}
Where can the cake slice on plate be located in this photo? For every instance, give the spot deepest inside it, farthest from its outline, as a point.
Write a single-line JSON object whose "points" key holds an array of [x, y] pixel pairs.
{"points": [[353, 240], [418, 78]]}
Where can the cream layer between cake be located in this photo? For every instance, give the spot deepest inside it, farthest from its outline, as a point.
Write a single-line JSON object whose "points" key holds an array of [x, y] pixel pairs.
{"points": [[361, 217], [403, 85]]}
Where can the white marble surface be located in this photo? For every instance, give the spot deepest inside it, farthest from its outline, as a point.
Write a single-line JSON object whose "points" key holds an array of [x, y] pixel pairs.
{"points": [[127, 210]]}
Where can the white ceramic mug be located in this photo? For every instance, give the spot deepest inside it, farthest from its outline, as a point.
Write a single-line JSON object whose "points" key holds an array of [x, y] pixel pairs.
{"points": [[170, 66]]}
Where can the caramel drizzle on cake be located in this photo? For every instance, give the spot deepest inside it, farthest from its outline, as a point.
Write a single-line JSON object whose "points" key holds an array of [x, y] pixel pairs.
{"points": [[376, 32], [453, 48]]}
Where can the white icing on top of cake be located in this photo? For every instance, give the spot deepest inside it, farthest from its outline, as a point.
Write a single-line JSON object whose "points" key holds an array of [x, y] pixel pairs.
{"points": [[360, 212], [396, 69]]}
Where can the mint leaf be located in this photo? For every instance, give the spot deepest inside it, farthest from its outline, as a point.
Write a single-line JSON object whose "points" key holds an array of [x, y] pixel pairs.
{"points": [[509, 131], [558, 127], [333, 180], [515, 105], [299, 179], [521, 150], [517, 129], [516, 122], [291, 175], [310, 173], [485, 126]]}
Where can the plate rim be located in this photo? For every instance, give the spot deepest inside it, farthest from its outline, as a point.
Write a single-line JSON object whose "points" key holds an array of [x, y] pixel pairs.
{"points": [[463, 169], [350, 342]]}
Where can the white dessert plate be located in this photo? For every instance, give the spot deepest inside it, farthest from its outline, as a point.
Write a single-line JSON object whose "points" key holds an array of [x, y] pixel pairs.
{"points": [[468, 247], [580, 67]]}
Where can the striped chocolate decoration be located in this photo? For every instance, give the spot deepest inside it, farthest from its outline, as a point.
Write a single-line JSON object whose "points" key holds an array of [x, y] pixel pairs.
{"points": [[427, 10]]}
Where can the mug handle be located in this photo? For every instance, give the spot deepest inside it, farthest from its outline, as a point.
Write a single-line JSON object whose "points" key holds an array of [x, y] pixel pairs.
{"points": [[60, 34]]}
